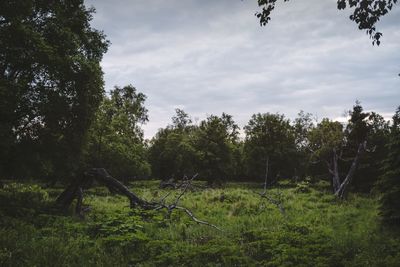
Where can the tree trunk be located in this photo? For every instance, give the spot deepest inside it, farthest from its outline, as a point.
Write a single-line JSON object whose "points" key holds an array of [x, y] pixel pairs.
{"points": [[339, 187], [343, 186], [75, 189], [266, 174]]}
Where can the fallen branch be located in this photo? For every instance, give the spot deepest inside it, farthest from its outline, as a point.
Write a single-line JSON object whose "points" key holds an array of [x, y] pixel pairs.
{"points": [[75, 190], [177, 185], [273, 201], [190, 214]]}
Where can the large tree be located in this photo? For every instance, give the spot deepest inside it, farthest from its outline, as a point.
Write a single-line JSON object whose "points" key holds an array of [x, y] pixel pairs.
{"points": [[372, 128], [50, 84], [366, 13], [215, 141], [269, 146], [341, 148], [116, 138], [389, 182], [171, 153]]}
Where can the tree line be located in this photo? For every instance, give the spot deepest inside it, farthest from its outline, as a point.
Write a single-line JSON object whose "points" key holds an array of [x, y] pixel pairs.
{"points": [[361, 155]]}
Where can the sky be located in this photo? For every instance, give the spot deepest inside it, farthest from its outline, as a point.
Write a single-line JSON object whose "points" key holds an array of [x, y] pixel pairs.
{"points": [[208, 57]]}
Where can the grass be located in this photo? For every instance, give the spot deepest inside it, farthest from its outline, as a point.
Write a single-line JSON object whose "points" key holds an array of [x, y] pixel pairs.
{"points": [[317, 230]]}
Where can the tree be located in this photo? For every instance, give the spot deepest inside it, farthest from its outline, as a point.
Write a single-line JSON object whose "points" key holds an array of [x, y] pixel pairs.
{"points": [[366, 13], [326, 143], [215, 141], [302, 125], [269, 146], [171, 151], [116, 137], [375, 130], [331, 145], [389, 182], [51, 84]]}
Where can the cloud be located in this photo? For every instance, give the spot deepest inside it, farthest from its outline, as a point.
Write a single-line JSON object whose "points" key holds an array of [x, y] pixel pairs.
{"points": [[212, 57]]}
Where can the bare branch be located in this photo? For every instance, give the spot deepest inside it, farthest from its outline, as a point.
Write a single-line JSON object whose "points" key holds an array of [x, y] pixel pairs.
{"points": [[190, 214], [188, 183], [74, 190]]}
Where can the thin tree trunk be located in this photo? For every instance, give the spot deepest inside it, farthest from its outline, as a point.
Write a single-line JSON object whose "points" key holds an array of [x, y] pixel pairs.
{"points": [[266, 174], [336, 176], [343, 186]]}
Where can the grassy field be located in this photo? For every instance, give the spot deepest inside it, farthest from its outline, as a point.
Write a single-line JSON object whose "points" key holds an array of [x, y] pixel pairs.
{"points": [[316, 230]]}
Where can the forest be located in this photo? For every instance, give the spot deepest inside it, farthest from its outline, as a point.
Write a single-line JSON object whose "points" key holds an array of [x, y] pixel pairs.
{"points": [[80, 185]]}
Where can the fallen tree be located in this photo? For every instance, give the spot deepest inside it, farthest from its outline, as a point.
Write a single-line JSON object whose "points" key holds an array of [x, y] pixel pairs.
{"points": [[76, 189]]}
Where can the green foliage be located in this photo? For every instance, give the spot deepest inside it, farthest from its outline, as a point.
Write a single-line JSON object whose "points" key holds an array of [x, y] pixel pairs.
{"points": [[375, 130], [215, 141], [328, 135], [269, 136], [304, 186], [115, 139], [318, 230], [389, 182], [21, 200], [50, 85], [172, 153], [210, 149], [332, 143]]}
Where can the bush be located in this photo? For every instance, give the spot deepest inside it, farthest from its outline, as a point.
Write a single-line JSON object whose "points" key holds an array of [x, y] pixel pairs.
{"points": [[22, 200]]}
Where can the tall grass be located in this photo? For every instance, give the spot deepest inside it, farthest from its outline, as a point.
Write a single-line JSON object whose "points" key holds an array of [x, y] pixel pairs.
{"points": [[316, 229]]}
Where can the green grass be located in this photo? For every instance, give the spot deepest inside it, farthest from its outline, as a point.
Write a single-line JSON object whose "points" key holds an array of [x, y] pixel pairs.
{"points": [[317, 230]]}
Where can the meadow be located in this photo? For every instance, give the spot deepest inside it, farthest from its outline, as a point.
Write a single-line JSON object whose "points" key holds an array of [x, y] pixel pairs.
{"points": [[315, 229]]}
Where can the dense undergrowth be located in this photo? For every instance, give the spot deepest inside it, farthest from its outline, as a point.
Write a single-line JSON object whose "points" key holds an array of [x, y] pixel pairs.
{"points": [[316, 230]]}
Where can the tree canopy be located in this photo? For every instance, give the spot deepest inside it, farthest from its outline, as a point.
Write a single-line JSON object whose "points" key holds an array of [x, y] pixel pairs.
{"points": [[51, 84], [389, 182], [115, 139], [269, 140]]}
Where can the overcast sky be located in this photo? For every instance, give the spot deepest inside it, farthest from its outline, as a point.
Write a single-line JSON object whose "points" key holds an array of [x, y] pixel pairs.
{"points": [[211, 56]]}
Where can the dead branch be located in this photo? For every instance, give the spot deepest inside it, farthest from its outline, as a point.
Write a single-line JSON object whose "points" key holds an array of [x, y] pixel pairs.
{"points": [[277, 203], [190, 214], [75, 190], [187, 184], [173, 184]]}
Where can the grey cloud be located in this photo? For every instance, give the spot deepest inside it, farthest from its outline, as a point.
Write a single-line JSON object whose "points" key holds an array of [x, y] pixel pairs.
{"points": [[212, 56]]}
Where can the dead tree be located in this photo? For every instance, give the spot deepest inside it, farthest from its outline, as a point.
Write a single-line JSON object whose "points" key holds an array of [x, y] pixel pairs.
{"points": [[76, 188], [340, 186]]}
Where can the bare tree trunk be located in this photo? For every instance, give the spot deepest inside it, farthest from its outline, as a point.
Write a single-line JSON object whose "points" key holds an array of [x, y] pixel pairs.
{"points": [[343, 186], [339, 187], [266, 174], [335, 170], [78, 208]]}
